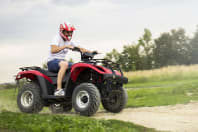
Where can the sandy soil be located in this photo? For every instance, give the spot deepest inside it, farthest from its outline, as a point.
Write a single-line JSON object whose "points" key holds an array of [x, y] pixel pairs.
{"points": [[177, 118]]}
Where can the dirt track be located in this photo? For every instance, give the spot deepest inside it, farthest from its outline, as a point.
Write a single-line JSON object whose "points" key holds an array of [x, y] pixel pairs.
{"points": [[179, 118]]}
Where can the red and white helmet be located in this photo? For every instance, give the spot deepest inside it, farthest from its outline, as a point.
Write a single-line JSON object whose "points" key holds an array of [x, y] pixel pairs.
{"points": [[68, 28]]}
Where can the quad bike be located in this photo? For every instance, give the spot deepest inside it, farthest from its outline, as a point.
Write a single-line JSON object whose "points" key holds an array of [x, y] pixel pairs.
{"points": [[86, 84]]}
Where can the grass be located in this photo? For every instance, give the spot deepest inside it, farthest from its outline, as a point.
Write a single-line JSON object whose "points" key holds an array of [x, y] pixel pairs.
{"points": [[57, 123], [165, 86], [176, 93], [170, 73], [8, 100], [7, 85], [13, 121]]}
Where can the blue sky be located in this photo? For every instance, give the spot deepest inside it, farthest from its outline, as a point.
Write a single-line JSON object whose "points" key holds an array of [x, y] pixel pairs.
{"points": [[28, 26]]}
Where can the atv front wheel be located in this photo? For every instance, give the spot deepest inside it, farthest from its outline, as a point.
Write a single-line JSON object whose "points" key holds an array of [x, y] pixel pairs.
{"points": [[86, 99], [116, 100], [60, 108], [29, 99]]}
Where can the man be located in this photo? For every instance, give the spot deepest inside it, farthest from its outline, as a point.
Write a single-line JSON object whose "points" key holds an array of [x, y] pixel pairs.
{"points": [[58, 49]]}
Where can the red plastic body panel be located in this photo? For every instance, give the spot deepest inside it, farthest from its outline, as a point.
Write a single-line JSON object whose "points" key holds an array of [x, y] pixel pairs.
{"points": [[107, 71], [118, 73], [31, 75], [79, 67]]}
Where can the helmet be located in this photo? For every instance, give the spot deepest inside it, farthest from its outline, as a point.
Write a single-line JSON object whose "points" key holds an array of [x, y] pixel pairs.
{"points": [[66, 31]]}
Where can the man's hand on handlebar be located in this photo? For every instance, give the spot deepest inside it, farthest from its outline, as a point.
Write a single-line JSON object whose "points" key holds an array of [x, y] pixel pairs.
{"points": [[95, 52], [76, 49]]}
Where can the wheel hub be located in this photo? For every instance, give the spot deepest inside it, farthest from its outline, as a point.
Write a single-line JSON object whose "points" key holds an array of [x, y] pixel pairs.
{"points": [[82, 99], [27, 98]]}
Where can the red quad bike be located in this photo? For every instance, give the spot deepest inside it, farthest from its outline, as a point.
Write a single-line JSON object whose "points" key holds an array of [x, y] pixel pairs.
{"points": [[86, 84]]}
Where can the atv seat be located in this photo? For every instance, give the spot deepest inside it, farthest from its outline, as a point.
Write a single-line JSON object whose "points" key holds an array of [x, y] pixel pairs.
{"points": [[50, 74], [54, 74]]}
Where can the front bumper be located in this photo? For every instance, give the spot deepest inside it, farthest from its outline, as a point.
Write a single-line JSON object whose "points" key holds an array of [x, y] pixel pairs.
{"points": [[117, 78]]}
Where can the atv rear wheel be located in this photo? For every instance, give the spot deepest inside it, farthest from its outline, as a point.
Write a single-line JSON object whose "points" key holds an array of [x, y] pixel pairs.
{"points": [[29, 99], [60, 108], [116, 100], [86, 99]]}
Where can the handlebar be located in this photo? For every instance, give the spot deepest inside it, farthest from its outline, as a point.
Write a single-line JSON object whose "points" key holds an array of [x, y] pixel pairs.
{"points": [[85, 55], [76, 49]]}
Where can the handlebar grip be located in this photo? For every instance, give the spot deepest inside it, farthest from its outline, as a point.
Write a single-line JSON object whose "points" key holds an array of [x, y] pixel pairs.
{"points": [[76, 49], [94, 52]]}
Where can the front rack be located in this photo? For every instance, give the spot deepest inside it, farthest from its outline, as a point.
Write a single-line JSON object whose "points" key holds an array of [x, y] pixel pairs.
{"points": [[106, 63]]}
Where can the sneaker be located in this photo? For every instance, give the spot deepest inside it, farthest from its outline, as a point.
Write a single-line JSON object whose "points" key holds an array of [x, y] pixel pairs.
{"points": [[59, 92]]}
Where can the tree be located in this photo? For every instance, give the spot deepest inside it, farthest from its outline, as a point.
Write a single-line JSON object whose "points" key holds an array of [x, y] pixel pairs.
{"points": [[194, 48], [114, 56], [130, 58], [181, 47], [135, 56], [172, 49], [161, 50], [146, 49]]}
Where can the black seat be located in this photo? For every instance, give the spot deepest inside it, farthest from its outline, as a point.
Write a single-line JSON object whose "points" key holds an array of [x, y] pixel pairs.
{"points": [[50, 74], [46, 72], [53, 74]]}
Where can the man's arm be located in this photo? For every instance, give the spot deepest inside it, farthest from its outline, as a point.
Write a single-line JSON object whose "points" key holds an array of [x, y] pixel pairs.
{"points": [[56, 49]]}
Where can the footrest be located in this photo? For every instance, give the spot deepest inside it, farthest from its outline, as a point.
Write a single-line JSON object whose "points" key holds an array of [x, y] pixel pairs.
{"points": [[54, 97]]}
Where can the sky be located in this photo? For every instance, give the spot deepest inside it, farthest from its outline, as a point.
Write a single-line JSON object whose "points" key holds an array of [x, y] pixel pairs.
{"points": [[28, 26]]}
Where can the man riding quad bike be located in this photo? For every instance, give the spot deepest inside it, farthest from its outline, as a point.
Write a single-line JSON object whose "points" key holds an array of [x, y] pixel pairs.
{"points": [[86, 84]]}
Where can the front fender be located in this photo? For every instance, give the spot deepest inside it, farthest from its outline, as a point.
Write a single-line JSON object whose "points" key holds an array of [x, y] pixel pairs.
{"points": [[79, 67]]}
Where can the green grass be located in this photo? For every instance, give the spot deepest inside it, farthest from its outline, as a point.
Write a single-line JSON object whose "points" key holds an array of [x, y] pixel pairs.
{"points": [[8, 100], [170, 73], [7, 85], [14, 122], [161, 84], [165, 86], [162, 93], [59, 123]]}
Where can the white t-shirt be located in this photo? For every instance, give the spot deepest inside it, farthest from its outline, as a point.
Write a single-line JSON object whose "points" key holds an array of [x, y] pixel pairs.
{"points": [[58, 40]]}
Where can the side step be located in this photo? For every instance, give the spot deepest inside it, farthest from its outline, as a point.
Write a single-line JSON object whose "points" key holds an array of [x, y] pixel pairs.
{"points": [[54, 97]]}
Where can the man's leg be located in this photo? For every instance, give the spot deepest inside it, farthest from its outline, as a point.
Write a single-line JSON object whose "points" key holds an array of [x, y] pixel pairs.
{"points": [[63, 67]]}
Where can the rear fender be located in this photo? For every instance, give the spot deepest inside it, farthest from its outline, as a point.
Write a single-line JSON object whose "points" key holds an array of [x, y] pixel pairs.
{"points": [[32, 74], [44, 81]]}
